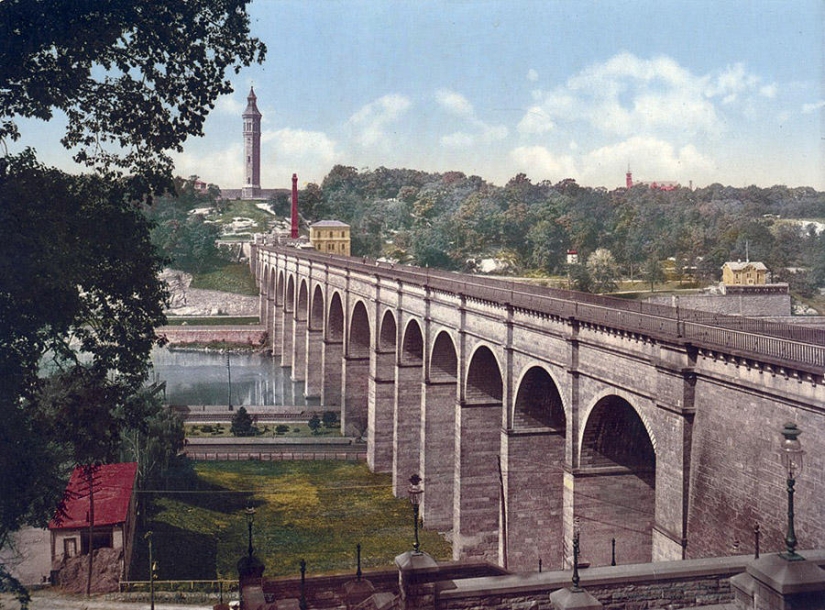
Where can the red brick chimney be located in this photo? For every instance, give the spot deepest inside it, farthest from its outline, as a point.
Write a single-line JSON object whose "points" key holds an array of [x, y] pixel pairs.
{"points": [[294, 233]]}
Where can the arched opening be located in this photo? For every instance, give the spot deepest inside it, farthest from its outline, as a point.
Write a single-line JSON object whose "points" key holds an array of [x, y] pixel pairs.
{"points": [[444, 361], [484, 383], [359, 335], [408, 381], [615, 497], [316, 314], [313, 378], [356, 373], [538, 402], [333, 358], [438, 424], [299, 334], [479, 453], [381, 409], [535, 481], [288, 342]]}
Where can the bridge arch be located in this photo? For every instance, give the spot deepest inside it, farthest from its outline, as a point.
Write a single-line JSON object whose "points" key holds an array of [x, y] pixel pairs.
{"points": [[380, 416], [408, 393], [615, 496], [538, 402], [534, 485], [476, 533], [299, 332], [438, 429], [484, 378], [356, 372], [333, 355], [313, 373], [288, 334]]}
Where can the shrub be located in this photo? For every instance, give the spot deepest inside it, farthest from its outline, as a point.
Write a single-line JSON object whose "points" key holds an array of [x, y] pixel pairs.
{"points": [[281, 429], [207, 429], [330, 419], [314, 423], [242, 423]]}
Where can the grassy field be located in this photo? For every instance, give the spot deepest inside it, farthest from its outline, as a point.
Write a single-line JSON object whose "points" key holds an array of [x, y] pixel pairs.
{"points": [[232, 277], [318, 511]]}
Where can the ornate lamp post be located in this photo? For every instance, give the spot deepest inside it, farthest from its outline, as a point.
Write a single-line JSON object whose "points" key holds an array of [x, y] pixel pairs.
{"points": [[791, 454], [250, 519], [414, 492]]}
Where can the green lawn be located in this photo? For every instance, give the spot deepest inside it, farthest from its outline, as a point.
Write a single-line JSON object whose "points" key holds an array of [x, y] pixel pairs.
{"points": [[318, 511]]}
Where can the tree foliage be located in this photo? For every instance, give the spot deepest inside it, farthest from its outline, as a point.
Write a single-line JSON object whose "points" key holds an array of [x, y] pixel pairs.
{"points": [[79, 289], [133, 79], [450, 220]]}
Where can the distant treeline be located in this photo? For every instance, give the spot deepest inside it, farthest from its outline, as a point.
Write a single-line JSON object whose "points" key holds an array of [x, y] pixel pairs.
{"points": [[448, 220], [452, 221]]}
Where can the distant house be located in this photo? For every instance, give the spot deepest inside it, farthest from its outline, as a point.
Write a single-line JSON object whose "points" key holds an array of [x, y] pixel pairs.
{"points": [[330, 237], [744, 274], [114, 514]]}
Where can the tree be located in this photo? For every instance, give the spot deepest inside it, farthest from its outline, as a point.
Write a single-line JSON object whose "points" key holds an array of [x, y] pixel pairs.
{"points": [[242, 424], [134, 77], [78, 273], [603, 270], [652, 272]]}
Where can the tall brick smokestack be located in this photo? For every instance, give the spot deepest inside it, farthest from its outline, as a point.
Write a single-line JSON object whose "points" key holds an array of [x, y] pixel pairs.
{"points": [[294, 233]]}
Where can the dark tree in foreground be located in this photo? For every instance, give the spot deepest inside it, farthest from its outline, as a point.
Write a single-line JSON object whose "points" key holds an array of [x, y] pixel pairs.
{"points": [[78, 273]]}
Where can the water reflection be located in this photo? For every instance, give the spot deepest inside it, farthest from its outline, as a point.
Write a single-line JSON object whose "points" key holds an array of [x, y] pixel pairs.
{"points": [[202, 378]]}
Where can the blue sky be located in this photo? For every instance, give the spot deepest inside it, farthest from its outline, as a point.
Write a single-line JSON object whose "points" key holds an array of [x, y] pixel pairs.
{"points": [[720, 91]]}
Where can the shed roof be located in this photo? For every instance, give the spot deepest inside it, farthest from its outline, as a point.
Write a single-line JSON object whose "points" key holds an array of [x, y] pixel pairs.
{"points": [[113, 487]]}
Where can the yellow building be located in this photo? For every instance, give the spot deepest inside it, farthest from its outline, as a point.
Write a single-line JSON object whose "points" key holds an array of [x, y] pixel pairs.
{"points": [[330, 237], [744, 274]]}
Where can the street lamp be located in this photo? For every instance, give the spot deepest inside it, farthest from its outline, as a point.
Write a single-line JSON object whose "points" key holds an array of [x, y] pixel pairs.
{"points": [[250, 519], [414, 492], [791, 454]]}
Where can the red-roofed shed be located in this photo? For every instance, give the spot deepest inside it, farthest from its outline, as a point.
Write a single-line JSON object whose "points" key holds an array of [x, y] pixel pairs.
{"points": [[114, 513]]}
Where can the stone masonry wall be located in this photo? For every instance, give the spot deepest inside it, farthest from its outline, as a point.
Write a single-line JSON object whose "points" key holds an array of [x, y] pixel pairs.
{"points": [[247, 335]]}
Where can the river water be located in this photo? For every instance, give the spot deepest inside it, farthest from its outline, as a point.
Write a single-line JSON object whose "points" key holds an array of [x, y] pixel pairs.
{"points": [[203, 378]]}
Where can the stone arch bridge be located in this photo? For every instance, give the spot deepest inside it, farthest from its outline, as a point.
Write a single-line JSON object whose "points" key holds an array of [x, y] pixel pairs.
{"points": [[532, 412]]}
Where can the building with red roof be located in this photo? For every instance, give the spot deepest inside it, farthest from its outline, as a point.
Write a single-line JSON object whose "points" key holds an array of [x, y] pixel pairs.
{"points": [[114, 514]]}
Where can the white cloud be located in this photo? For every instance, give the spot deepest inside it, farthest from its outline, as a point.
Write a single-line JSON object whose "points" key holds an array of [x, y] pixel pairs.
{"points": [[231, 105], [628, 95], [811, 108], [655, 160], [475, 129], [768, 91], [458, 140], [454, 103], [532, 75], [223, 167], [301, 144], [370, 123], [535, 121], [540, 163]]}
